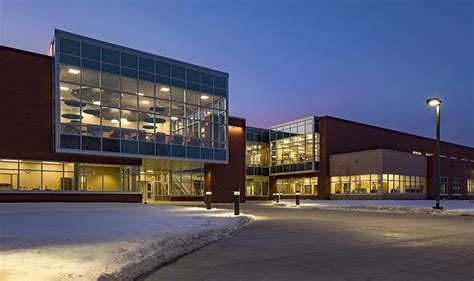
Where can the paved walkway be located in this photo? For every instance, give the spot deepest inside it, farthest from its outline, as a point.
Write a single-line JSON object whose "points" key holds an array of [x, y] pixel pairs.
{"points": [[296, 244]]}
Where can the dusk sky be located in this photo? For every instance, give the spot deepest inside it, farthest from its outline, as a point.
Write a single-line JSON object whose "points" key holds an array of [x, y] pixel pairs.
{"points": [[374, 62]]}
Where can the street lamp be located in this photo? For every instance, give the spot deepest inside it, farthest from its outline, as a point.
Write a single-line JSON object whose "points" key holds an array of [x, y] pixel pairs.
{"points": [[437, 102]]}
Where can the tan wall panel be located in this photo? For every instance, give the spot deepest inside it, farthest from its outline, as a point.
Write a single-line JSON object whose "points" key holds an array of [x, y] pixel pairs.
{"points": [[357, 163], [379, 161], [395, 162]]}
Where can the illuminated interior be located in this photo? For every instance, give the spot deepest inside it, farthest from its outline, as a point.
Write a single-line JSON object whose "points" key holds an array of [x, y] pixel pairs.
{"points": [[257, 162], [305, 185], [295, 147], [27, 175], [159, 179], [134, 107], [378, 183]]}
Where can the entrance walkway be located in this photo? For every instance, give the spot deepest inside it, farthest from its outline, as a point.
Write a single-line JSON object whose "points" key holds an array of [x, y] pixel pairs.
{"points": [[296, 244]]}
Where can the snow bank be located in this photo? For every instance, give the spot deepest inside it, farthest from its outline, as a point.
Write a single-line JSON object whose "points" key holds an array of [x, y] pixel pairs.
{"points": [[451, 207], [62, 241]]}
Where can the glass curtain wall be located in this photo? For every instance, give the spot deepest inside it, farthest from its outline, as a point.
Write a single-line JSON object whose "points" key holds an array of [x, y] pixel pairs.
{"points": [[62, 176], [378, 183], [257, 161], [295, 147], [305, 185], [115, 102]]}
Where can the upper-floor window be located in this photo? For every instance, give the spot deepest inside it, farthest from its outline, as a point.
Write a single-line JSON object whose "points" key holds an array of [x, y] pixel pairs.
{"points": [[294, 147]]}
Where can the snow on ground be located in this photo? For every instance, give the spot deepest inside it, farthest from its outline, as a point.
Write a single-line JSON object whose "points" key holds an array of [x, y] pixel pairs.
{"points": [[451, 207], [113, 241]]}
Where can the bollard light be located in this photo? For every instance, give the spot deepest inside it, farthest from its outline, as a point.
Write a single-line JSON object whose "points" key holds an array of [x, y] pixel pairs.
{"points": [[208, 200], [298, 197], [236, 202]]}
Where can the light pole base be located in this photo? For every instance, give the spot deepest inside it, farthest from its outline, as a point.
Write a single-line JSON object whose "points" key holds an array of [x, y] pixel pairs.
{"points": [[437, 206]]}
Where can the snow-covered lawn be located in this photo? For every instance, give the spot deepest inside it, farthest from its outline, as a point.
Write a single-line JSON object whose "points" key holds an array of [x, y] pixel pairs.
{"points": [[451, 207], [87, 241]]}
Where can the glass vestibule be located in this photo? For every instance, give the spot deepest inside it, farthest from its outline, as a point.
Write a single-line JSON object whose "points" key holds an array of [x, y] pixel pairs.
{"points": [[161, 184], [257, 186], [22, 175], [305, 185]]}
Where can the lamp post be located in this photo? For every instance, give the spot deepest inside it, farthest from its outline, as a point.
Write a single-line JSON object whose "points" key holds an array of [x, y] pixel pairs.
{"points": [[437, 103]]}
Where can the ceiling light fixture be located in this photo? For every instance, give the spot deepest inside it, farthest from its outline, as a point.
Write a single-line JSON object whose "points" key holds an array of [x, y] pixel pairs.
{"points": [[64, 88], [145, 102], [96, 102], [73, 71], [204, 97], [165, 89]]}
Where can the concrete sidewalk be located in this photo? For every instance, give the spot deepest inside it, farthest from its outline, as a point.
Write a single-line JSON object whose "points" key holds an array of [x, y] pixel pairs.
{"points": [[297, 244]]}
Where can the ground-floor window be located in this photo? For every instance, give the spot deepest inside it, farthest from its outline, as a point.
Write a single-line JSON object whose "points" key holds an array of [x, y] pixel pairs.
{"points": [[377, 183], [257, 186], [28, 175], [457, 186], [355, 184], [470, 186], [443, 185], [305, 185]]}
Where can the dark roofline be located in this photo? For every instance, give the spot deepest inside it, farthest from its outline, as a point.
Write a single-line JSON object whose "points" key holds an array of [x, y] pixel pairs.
{"points": [[24, 51], [143, 53], [391, 130], [258, 128]]}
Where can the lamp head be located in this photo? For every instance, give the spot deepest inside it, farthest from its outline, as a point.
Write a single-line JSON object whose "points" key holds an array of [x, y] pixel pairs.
{"points": [[433, 101]]}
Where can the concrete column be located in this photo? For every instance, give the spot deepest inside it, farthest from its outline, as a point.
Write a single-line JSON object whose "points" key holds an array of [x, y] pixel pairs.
{"points": [[135, 178], [77, 177]]}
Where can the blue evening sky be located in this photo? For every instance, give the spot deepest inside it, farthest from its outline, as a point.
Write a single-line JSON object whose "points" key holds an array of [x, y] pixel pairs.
{"points": [[373, 62]]}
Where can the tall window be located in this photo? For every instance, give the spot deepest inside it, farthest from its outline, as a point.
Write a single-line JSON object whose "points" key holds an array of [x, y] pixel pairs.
{"points": [[457, 186], [443, 185], [470, 186]]}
